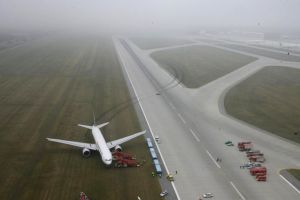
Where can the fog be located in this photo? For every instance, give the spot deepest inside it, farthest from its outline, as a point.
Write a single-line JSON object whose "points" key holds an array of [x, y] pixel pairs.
{"points": [[148, 16]]}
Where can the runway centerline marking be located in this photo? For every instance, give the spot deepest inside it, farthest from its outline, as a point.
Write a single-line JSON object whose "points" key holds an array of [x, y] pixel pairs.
{"points": [[195, 136], [123, 64], [213, 159], [239, 193], [290, 183], [181, 118]]}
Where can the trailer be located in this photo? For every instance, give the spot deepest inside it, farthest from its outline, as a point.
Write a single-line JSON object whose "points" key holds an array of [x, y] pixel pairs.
{"points": [[153, 154], [158, 169]]}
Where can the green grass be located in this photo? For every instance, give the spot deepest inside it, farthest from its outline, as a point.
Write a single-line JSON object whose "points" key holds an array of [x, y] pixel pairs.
{"points": [[198, 65], [49, 86], [269, 100], [153, 42], [295, 173]]}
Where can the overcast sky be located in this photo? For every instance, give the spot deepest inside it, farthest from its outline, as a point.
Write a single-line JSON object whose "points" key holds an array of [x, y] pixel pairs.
{"points": [[147, 14]]}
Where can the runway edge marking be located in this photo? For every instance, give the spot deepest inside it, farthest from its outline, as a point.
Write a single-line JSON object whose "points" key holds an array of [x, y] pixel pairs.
{"points": [[195, 136], [181, 118], [172, 183], [213, 159], [289, 183], [239, 193]]}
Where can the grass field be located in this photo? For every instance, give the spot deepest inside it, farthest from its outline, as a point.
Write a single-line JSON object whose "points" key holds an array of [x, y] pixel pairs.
{"points": [[266, 53], [49, 86], [197, 65], [269, 100], [295, 173], [152, 43]]}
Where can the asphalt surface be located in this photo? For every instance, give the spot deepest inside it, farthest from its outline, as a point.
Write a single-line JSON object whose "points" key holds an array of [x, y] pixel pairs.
{"points": [[193, 127]]}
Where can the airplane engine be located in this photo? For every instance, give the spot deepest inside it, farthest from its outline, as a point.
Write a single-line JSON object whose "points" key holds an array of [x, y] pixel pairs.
{"points": [[86, 152], [118, 148]]}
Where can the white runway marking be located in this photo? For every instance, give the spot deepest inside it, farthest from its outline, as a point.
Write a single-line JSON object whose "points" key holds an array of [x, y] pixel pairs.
{"points": [[173, 185], [239, 193], [195, 136], [290, 184], [213, 159], [172, 106], [181, 118]]}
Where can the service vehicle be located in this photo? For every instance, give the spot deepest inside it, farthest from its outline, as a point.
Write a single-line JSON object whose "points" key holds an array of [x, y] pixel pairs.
{"points": [[164, 193], [245, 146], [208, 195], [170, 177]]}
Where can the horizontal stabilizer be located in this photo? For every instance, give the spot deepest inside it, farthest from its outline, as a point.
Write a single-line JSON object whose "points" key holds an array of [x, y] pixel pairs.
{"points": [[85, 126], [101, 125]]}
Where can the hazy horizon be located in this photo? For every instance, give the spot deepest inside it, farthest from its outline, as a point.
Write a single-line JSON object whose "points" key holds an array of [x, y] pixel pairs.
{"points": [[148, 16]]}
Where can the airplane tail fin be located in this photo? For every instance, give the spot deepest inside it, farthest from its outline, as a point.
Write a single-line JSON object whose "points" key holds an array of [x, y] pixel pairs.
{"points": [[85, 126], [102, 125]]}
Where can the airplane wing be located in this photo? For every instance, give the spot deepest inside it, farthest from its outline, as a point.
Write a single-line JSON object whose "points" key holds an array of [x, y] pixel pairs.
{"points": [[114, 143], [76, 144]]}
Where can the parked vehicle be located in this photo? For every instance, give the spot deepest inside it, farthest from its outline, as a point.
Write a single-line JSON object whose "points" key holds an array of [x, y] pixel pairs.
{"points": [[245, 146], [256, 170], [164, 193], [208, 195]]}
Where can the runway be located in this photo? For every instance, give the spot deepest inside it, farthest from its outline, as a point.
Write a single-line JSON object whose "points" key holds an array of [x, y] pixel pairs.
{"points": [[192, 126]]}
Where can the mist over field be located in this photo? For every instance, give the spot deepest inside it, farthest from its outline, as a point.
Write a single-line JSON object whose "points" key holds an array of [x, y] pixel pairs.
{"points": [[119, 16]]}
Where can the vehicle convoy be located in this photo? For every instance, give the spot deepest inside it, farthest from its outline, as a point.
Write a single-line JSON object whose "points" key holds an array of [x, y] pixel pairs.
{"points": [[255, 157]]}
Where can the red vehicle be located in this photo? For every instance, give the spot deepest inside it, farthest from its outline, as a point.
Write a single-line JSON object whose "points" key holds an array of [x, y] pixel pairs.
{"points": [[261, 178], [245, 146], [83, 196], [122, 155], [255, 158], [258, 170], [254, 154], [126, 163]]}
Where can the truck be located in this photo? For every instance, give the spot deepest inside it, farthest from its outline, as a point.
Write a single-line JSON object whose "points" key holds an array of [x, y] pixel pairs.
{"points": [[122, 155], [126, 163], [261, 177], [260, 159], [258, 170], [254, 154], [245, 146]]}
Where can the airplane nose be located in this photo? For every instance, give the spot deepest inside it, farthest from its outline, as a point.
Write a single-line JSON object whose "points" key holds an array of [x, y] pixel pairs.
{"points": [[108, 162]]}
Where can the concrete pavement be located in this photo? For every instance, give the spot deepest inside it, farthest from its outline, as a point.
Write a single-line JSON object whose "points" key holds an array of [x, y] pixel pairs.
{"points": [[193, 128]]}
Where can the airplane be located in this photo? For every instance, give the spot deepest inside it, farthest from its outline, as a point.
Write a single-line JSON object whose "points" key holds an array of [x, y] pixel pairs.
{"points": [[100, 144]]}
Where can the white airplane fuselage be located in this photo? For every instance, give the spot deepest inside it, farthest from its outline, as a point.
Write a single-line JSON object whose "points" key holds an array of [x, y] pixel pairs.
{"points": [[100, 142]]}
